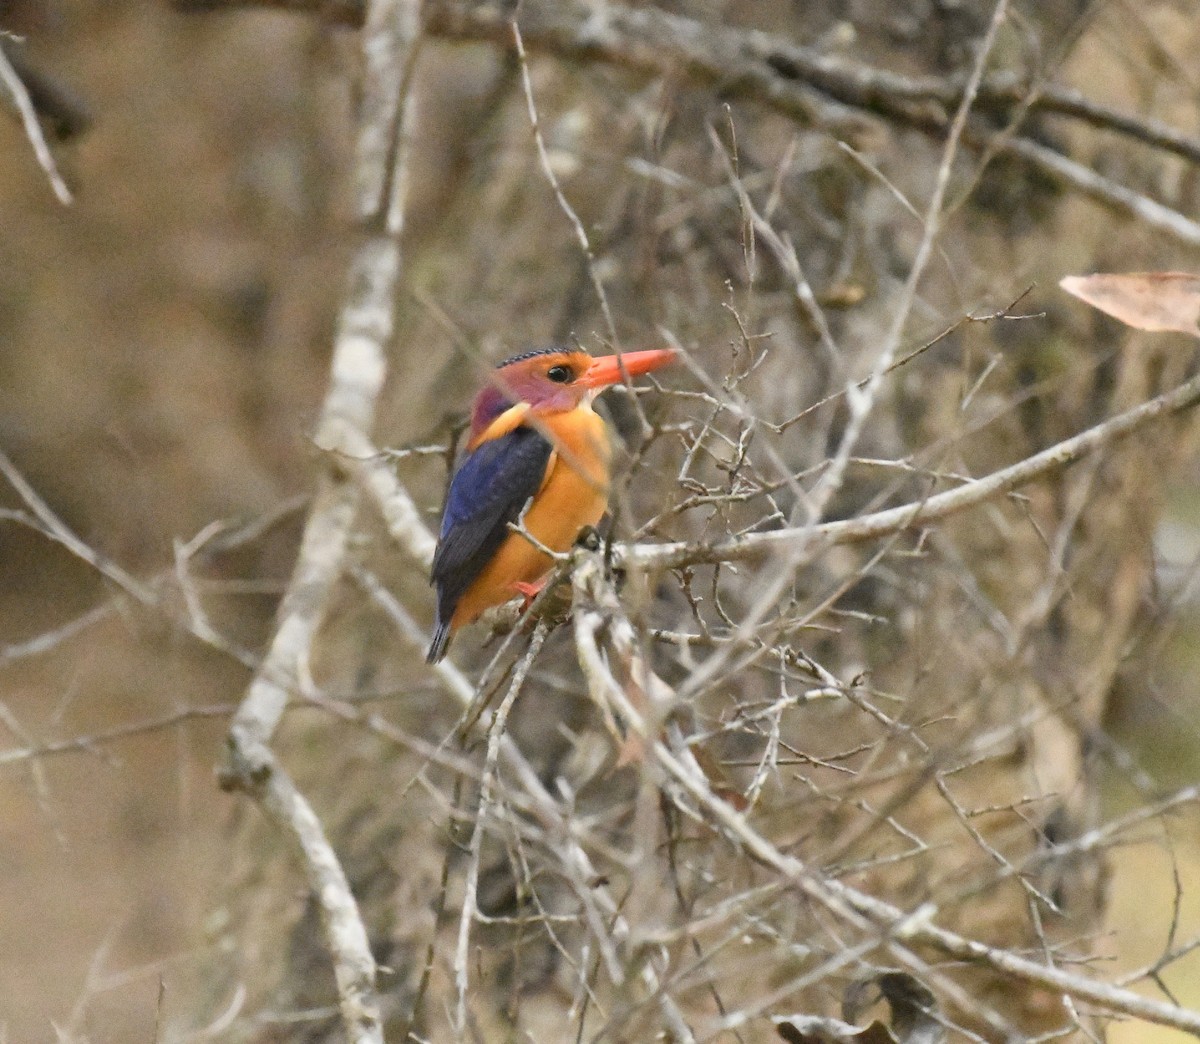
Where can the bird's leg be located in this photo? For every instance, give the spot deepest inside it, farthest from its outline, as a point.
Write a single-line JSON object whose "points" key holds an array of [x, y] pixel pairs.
{"points": [[555, 607], [528, 591]]}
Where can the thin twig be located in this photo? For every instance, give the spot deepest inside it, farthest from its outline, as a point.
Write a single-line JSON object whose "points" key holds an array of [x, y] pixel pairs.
{"points": [[95, 740], [33, 128], [899, 930], [581, 235], [487, 797], [924, 512], [58, 531]]}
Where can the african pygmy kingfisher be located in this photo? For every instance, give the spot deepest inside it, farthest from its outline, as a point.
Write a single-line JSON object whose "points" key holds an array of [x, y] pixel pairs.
{"points": [[537, 453]]}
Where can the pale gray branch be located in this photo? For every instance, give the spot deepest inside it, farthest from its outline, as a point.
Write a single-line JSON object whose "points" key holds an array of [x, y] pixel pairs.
{"points": [[357, 372], [353, 963], [899, 930], [16, 89], [813, 539], [818, 89]]}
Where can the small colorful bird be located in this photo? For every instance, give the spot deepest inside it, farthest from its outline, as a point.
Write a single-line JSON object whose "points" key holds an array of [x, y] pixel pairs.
{"points": [[534, 441]]}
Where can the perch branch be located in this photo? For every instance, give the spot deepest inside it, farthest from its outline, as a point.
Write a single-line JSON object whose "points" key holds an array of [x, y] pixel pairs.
{"points": [[813, 539], [602, 911]]}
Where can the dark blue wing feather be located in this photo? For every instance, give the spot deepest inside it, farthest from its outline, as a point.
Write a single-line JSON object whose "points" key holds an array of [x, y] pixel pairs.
{"points": [[488, 491]]}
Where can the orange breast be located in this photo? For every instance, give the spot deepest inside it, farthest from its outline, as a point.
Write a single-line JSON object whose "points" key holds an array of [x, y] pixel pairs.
{"points": [[573, 494]]}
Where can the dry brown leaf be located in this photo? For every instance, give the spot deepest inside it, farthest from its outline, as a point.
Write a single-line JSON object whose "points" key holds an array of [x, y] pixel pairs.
{"points": [[1143, 300]]}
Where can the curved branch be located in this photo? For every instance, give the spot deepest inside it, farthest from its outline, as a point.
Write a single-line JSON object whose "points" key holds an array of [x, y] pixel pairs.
{"points": [[898, 930], [811, 540], [798, 81], [357, 373]]}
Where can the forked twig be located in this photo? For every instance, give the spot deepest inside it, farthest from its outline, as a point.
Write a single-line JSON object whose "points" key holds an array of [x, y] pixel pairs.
{"points": [[897, 930], [923, 512]]}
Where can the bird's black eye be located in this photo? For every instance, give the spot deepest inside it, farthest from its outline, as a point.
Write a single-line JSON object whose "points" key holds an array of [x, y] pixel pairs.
{"points": [[560, 374]]}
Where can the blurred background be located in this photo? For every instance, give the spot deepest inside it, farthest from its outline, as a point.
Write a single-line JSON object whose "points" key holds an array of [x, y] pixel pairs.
{"points": [[164, 344]]}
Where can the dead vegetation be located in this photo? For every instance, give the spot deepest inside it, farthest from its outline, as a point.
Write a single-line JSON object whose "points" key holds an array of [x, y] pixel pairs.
{"points": [[830, 715]]}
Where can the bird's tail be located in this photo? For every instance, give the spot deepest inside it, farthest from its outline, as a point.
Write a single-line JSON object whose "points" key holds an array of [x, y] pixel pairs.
{"points": [[441, 639]]}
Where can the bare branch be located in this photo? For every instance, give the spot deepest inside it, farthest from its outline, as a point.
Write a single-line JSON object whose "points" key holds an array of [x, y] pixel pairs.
{"points": [[96, 740], [60, 533], [358, 367], [369, 467], [487, 797], [899, 930], [62, 111], [581, 236], [19, 94], [357, 371], [852, 82], [814, 539], [861, 399], [814, 88], [353, 963]]}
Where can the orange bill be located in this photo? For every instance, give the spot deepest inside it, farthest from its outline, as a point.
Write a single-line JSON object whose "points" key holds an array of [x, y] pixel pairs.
{"points": [[612, 369]]}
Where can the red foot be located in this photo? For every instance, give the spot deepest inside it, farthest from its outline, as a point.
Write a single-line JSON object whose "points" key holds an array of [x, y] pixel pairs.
{"points": [[528, 591]]}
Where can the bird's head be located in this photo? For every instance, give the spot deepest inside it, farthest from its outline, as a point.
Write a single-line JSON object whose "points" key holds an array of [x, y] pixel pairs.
{"points": [[557, 380]]}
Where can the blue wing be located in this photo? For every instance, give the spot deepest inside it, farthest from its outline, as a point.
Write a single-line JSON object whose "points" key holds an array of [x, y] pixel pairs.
{"points": [[488, 491]]}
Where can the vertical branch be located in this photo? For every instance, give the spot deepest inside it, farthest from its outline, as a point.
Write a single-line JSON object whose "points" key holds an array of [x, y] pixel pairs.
{"points": [[357, 372], [487, 797], [581, 235], [358, 367], [861, 400]]}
